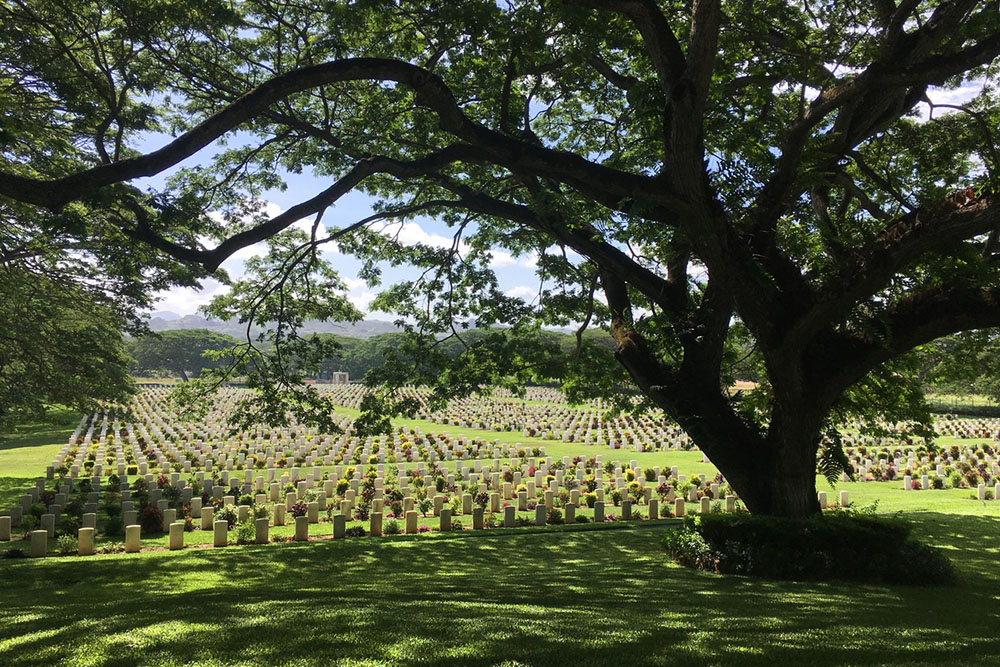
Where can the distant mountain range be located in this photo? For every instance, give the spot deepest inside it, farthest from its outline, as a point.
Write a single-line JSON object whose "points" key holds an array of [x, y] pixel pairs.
{"points": [[166, 320]]}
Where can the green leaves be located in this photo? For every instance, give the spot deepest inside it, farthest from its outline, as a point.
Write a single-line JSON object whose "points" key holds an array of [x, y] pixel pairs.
{"points": [[74, 355]]}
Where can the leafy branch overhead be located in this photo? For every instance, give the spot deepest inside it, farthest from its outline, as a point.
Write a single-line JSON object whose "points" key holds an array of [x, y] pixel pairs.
{"points": [[715, 183]]}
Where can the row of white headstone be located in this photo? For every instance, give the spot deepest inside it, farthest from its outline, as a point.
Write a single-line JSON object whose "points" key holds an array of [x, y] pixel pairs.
{"points": [[175, 529]]}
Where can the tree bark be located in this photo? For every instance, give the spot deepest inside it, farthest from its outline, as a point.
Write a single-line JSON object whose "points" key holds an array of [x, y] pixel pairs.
{"points": [[773, 475]]}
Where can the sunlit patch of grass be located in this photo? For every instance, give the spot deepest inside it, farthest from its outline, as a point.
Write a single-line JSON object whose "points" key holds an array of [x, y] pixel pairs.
{"points": [[545, 598]]}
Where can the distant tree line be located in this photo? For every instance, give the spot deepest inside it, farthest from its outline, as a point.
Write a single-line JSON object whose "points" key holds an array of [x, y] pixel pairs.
{"points": [[182, 352]]}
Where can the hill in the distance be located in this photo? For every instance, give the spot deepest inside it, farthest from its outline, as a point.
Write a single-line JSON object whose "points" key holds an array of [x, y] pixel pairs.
{"points": [[166, 321]]}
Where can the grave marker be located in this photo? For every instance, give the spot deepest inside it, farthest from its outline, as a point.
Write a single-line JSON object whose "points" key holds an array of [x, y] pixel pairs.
{"points": [[85, 541]]}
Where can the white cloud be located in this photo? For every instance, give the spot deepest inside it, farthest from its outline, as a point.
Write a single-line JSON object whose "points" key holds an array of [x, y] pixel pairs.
{"points": [[699, 272], [522, 292], [361, 300], [358, 294], [411, 233], [187, 300], [959, 95], [354, 284], [955, 96]]}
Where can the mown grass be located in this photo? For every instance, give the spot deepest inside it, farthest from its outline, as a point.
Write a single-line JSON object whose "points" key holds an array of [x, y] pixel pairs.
{"points": [[26, 449], [520, 597], [550, 598]]}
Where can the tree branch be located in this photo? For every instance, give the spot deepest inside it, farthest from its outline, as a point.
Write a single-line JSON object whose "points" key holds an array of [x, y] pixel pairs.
{"points": [[897, 246], [661, 43], [917, 319], [608, 185]]}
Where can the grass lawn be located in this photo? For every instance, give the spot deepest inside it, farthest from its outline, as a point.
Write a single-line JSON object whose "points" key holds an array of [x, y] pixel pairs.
{"points": [[516, 597], [28, 448], [557, 598]]}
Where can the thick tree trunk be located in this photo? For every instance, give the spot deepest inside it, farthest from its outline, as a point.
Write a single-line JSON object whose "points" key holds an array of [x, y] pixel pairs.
{"points": [[780, 479], [773, 472]]}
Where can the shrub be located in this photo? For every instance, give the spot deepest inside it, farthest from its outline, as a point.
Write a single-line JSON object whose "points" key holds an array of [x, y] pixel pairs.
{"points": [[15, 553], [456, 524], [554, 516], [355, 531], [74, 508], [37, 509], [423, 529], [66, 544], [189, 524], [391, 527], [246, 499], [68, 525], [590, 499], [229, 514], [299, 509], [245, 532], [690, 549], [582, 519], [854, 546], [425, 505], [616, 496], [151, 520], [112, 548], [937, 483], [114, 526], [918, 564]]}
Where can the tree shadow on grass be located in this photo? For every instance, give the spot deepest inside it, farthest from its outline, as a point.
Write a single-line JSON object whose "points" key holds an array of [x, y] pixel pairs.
{"points": [[11, 490], [56, 427], [590, 598]]}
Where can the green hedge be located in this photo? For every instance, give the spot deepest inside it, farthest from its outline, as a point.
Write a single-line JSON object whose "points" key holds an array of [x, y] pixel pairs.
{"points": [[834, 546]]}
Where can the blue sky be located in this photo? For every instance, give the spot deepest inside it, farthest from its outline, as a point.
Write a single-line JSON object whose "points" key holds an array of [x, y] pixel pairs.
{"points": [[516, 275]]}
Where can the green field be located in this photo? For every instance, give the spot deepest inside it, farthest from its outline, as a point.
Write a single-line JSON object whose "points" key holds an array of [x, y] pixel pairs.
{"points": [[28, 448], [551, 598], [598, 596]]}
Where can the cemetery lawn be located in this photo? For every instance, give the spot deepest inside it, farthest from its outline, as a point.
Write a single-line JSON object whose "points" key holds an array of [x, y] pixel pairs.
{"points": [[547, 598], [26, 449]]}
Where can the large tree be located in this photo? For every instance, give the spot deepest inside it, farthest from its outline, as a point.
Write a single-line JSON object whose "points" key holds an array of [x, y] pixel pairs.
{"points": [[699, 177], [59, 345], [180, 351]]}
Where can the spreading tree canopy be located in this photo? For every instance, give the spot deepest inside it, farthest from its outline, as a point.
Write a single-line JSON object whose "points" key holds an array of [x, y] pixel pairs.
{"points": [[59, 344], [718, 183], [179, 352]]}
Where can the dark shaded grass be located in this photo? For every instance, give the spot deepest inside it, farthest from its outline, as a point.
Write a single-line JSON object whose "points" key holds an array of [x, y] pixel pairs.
{"points": [[55, 427], [582, 598]]}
